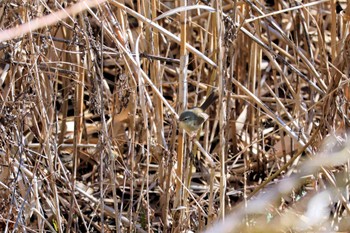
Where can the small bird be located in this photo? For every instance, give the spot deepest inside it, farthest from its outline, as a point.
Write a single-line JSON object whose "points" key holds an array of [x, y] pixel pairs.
{"points": [[192, 119]]}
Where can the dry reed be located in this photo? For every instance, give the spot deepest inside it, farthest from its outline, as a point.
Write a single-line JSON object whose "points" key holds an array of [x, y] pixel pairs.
{"points": [[90, 96]]}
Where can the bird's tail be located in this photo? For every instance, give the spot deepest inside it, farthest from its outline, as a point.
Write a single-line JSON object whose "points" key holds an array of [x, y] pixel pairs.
{"points": [[211, 99]]}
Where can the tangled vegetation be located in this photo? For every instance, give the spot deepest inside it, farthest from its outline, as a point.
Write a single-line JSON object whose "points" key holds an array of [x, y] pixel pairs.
{"points": [[90, 97]]}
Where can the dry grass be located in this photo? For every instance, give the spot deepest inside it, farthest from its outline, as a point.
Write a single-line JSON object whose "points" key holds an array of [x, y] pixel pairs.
{"points": [[90, 96]]}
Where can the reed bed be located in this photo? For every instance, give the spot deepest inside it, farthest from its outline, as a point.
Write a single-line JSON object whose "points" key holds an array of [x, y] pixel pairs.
{"points": [[90, 97]]}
